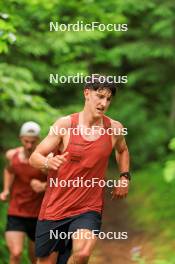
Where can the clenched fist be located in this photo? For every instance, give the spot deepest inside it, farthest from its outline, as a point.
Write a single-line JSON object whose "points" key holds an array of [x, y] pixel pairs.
{"points": [[37, 186], [55, 162], [121, 191], [4, 195]]}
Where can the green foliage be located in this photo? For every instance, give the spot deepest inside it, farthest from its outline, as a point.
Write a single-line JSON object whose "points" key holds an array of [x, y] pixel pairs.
{"points": [[169, 170], [172, 144], [7, 32], [20, 102], [149, 188], [145, 53], [3, 248], [140, 260], [151, 202]]}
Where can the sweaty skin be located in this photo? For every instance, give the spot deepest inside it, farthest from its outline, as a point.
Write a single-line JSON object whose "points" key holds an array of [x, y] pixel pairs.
{"points": [[96, 104]]}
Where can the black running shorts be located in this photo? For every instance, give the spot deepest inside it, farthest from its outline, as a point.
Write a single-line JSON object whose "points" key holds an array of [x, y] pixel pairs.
{"points": [[23, 224], [47, 243]]}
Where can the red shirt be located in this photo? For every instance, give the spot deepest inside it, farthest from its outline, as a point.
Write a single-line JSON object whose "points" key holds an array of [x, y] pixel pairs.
{"points": [[86, 160], [24, 201]]}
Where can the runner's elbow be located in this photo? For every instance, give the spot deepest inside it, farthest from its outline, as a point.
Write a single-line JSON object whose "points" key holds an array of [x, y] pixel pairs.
{"points": [[32, 159]]}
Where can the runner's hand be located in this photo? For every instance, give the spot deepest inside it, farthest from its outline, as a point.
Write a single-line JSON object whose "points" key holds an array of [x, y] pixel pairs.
{"points": [[55, 162], [37, 186], [122, 189], [4, 196]]}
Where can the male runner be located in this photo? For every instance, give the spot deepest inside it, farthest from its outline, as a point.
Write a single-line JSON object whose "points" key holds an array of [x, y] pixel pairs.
{"points": [[26, 187], [84, 155]]}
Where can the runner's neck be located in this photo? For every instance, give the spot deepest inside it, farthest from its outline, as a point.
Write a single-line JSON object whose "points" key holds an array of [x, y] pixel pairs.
{"points": [[23, 155], [87, 120]]}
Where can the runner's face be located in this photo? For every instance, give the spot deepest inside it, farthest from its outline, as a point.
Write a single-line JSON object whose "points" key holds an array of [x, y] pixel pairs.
{"points": [[29, 143], [98, 101]]}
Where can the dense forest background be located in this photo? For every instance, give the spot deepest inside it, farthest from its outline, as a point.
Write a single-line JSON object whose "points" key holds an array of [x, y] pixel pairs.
{"points": [[145, 105]]}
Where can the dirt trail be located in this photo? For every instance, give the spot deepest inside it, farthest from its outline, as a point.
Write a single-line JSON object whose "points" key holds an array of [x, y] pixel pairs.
{"points": [[116, 219]]}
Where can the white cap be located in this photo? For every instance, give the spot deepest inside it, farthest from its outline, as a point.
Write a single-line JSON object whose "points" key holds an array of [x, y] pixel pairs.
{"points": [[30, 129]]}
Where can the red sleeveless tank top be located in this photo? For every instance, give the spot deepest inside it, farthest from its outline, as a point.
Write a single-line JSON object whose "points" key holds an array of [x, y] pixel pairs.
{"points": [[86, 160], [24, 201]]}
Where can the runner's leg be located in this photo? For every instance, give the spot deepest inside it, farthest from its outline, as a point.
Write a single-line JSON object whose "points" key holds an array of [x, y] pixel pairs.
{"points": [[63, 257], [15, 243], [82, 247], [31, 250], [51, 259]]}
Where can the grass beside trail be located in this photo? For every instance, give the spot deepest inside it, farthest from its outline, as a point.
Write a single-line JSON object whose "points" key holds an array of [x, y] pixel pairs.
{"points": [[3, 249], [152, 204]]}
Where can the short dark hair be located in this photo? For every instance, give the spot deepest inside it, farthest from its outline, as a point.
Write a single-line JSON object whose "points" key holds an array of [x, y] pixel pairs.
{"points": [[95, 83]]}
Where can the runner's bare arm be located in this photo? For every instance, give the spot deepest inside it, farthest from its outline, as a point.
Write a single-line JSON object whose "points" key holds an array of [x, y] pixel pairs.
{"points": [[39, 157], [38, 186], [8, 175], [121, 149], [122, 157]]}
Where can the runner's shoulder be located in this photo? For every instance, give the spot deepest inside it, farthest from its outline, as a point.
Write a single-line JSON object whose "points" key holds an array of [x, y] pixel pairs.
{"points": [[63, 122], [11, 152], [115, 123]]}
